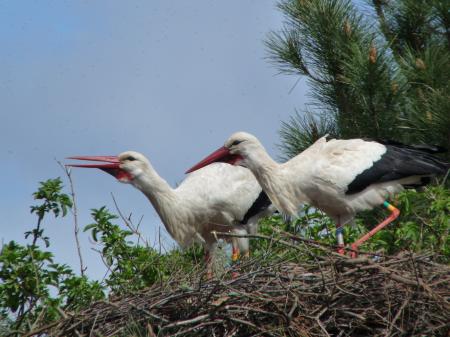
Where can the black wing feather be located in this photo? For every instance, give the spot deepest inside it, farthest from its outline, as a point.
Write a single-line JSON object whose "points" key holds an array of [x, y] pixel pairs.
{"points": [[260, 204], [418, 147], [400, 161]]}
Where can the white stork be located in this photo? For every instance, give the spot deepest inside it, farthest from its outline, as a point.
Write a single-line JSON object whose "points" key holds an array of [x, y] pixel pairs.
{"points": [[220, 198], [339, 177]]}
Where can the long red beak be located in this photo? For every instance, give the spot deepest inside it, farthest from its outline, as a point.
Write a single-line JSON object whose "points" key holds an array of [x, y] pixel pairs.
{"points": [[220, 155], [113, 166]]}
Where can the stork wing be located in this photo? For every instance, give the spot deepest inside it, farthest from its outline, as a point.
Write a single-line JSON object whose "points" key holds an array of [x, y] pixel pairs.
{"points": [[352, 165], [225, 188], [339, 164]]}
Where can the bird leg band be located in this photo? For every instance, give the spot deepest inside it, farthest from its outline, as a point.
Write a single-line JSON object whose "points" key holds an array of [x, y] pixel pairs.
{"points": [[395, 212], [340, 239]]}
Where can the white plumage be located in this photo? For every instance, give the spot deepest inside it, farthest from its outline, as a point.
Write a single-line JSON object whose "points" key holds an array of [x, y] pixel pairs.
{"points": [[215, 198], [340, 177], [324, 171], [318, 176]]}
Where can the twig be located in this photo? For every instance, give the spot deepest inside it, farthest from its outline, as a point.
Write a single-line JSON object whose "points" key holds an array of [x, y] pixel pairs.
{"points": [[187, 321], [41, 329], [319, 322], [199, 326], [397, 315], [40, 315], [93, 325], [128, 221], [150, 330], [265, 237], [75, 216]]}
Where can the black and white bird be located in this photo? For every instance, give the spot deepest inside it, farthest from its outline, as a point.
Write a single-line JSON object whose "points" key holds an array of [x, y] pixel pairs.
{"points": [[339, 177], [220, 197]]}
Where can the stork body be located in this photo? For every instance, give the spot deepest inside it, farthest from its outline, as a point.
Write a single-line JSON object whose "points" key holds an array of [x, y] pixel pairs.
{"points": [[216, 198], [339, 177]]}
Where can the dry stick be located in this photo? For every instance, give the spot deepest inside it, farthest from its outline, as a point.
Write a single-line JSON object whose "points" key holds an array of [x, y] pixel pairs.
{"points": [[65, 316], [128, 222], [41, 329], [93, 325], [74, 325], [144, 311], [317, 318], [108, 267], [186, 322], [265, 237], [397, 315], [201, 325], [250, 324], [41, 314], [418, 283], [75, 216], [247, 308], [326, 245], [150, 330], [137, 229]]}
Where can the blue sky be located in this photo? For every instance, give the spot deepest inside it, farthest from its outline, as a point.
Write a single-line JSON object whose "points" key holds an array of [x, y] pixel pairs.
{"points": [[170, 79]]}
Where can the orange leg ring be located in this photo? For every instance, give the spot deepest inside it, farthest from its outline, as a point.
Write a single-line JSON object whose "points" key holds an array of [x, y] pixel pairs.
{"points": [[234, 258], [235, 254]]}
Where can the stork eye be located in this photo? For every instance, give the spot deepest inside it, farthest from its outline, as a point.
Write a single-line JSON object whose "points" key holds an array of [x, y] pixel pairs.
{"points": [[130, 158], [236, 142]]}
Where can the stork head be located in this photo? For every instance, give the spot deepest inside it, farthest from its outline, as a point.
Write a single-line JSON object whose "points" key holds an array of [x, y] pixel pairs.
{"points": [[125, 167], [237, 149]]}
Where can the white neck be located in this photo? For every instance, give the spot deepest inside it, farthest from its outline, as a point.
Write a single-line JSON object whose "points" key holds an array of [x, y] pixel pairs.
{"points": [[271, 178], [167, 204], [261, 164]]}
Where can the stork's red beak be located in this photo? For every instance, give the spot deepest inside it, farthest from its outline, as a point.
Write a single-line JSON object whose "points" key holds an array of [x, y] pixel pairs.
{"points": [[220, 155], [113, 166]]}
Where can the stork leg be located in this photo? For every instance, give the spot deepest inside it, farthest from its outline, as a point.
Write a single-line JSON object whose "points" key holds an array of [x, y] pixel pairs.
{"points": [[395, 212], [210, 254], [235, 250], [235, 253], [208, 263], [340, 239]]}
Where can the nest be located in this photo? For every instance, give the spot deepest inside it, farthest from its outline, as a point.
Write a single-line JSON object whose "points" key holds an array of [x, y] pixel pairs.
{"points": [[403, 295]]}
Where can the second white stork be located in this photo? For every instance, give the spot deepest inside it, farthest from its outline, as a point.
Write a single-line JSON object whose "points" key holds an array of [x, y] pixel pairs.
{"points": [[220, 198], [339, 177]]}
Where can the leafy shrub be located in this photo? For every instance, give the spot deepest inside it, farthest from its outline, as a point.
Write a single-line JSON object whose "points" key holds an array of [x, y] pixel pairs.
{"points": [[423, 225], [35, 290], [29, 273]]}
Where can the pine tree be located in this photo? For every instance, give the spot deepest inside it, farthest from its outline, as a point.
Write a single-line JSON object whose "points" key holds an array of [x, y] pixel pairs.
{"points": [[381, 75]]}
